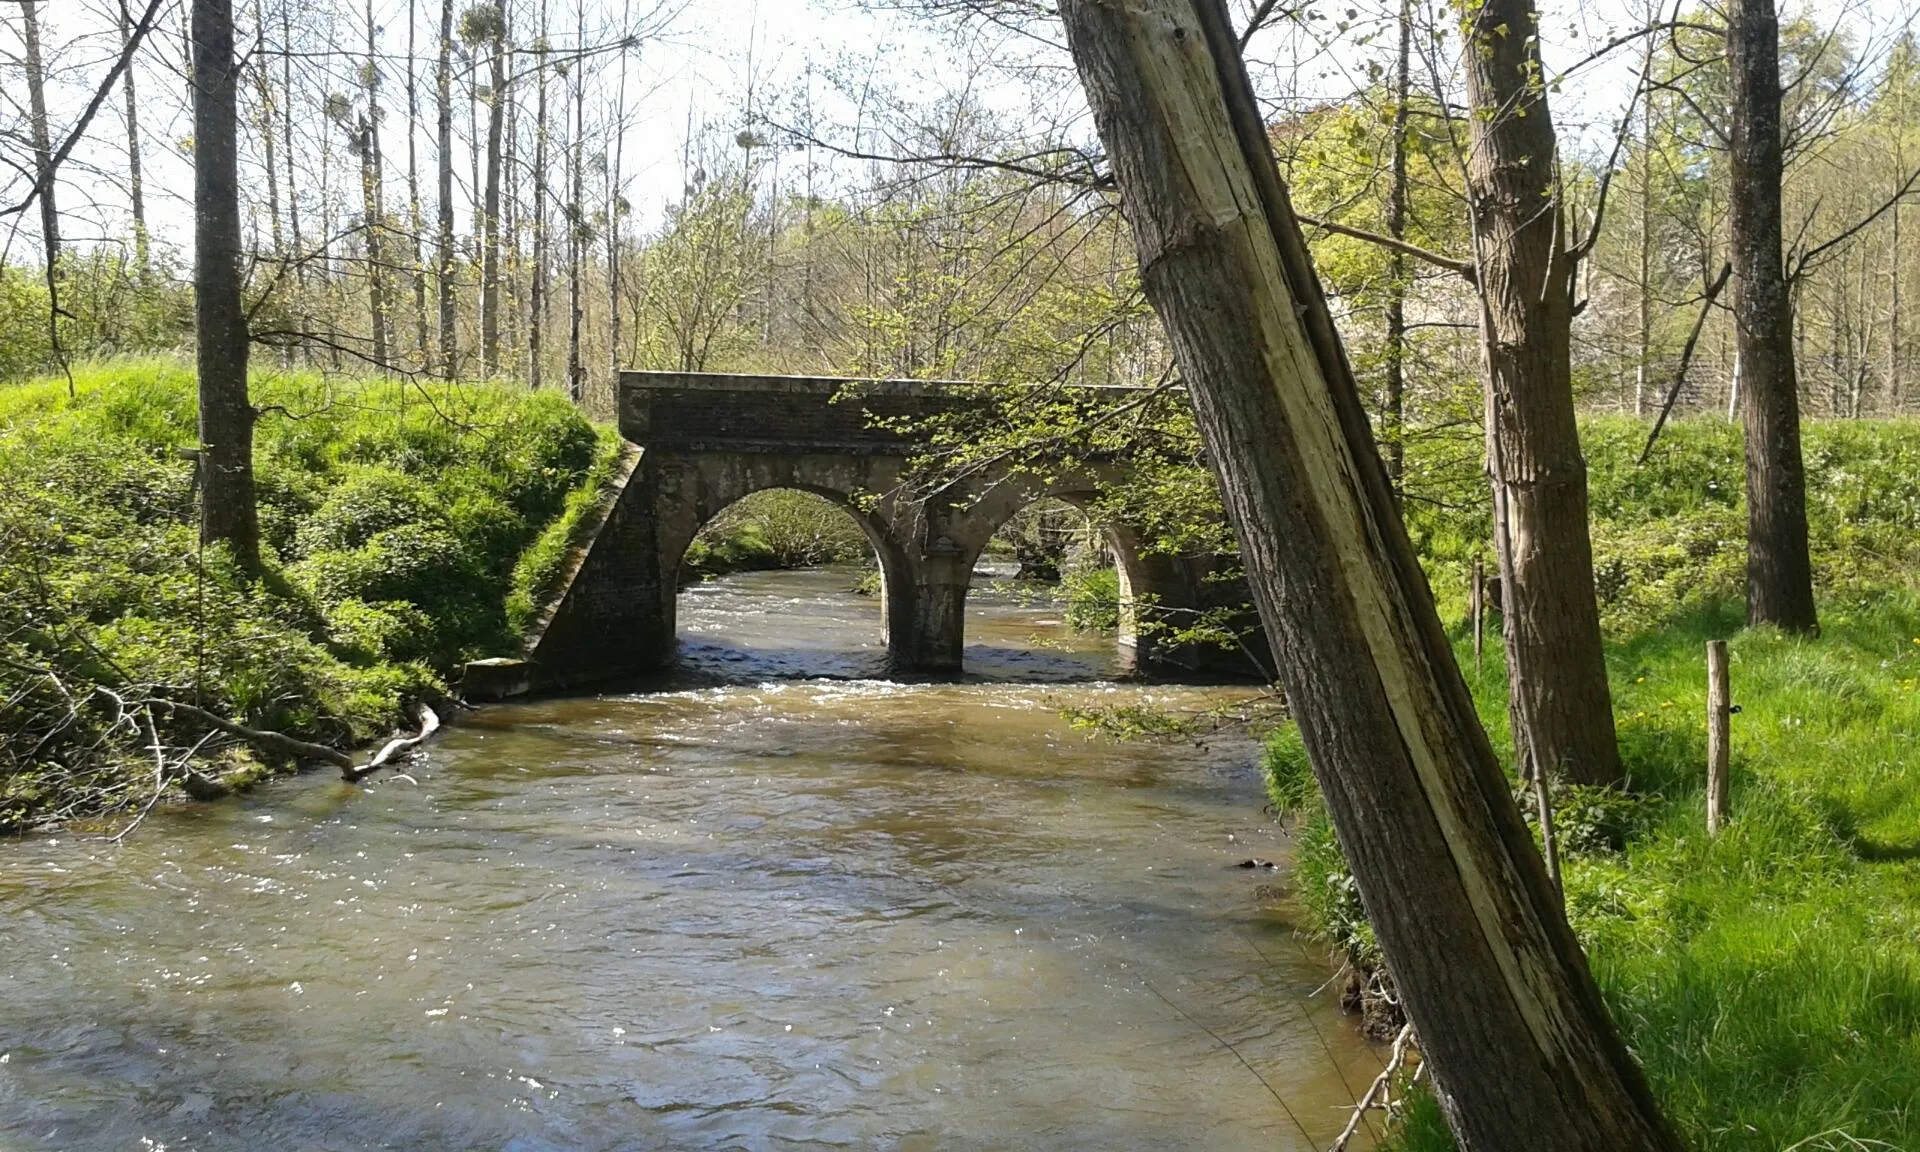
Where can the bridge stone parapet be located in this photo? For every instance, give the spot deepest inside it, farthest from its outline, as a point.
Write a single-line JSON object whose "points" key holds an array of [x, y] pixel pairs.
{"points": [[705, 441]]}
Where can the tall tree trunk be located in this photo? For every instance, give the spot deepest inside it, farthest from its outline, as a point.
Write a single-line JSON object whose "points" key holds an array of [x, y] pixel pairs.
{"points": [[1645, 235], [1395, 407], [373, 201], [443, 142], [537, 290], [490, 240], [414, 216], [43, 169], [227, 511], [510, 211], [576, 216], [263, 91], [1521, 1048], [136, 188], [613, 209], [1561, 707], [301, 309], [1779, 568]]}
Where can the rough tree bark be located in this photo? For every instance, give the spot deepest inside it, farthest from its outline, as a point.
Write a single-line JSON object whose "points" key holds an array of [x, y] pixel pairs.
{"points": [[1561, 707], [1779, 568], [1522, 1050], [443, 144], [227, 510]]}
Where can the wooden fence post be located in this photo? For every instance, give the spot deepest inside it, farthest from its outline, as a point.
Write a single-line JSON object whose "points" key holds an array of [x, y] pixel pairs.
{"points": [[1719, 724]]}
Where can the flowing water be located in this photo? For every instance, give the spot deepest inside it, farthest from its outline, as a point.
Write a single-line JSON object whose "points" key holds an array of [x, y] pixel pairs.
{"points": [[776, 903]]}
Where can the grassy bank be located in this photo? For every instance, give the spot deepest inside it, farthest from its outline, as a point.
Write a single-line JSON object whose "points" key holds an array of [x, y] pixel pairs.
{"points": [[1768, 979], [395, 519]]}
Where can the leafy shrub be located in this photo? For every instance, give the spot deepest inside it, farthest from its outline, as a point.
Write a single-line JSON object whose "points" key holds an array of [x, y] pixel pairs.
{"points": [[1093, 599], [393, 519]]}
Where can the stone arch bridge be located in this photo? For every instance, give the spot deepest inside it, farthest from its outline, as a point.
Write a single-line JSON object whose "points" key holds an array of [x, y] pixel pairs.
{"points": [[705, 441]]}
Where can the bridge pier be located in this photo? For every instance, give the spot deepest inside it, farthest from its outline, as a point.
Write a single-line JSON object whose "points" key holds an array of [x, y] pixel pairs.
{"points": [[927, 618]]}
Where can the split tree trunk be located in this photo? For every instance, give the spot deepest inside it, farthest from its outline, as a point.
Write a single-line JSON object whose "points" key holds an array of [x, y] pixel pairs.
{"points": [[1561, 707], [227, 510], [1779, 567], [1522, 1050]]}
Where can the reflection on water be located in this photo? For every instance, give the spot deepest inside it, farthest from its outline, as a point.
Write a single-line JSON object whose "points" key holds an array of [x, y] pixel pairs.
{"points": [[754, 915]]}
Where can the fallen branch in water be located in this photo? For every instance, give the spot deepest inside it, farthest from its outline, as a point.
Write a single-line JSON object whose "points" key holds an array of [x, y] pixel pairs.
{"points": [[272, 743], [429, 724], [1376, 1094]]}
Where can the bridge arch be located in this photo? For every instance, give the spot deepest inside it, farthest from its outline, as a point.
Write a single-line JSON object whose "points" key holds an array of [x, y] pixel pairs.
{"points": [[890, 558], [699, 443], [1004, 500]]}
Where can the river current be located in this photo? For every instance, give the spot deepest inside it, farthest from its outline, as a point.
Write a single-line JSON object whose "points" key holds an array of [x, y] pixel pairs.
{"points": [[774, 902]]}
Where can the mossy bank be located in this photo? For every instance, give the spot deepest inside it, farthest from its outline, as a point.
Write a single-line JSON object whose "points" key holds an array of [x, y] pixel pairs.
{"points": [[406, 527]]}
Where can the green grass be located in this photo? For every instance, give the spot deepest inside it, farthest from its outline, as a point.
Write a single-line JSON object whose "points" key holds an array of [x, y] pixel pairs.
{"points": [[1768, 979], [394, 521]]}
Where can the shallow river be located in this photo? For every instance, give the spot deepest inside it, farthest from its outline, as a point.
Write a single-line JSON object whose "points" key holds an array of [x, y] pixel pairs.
{"points": [[773, 904]]}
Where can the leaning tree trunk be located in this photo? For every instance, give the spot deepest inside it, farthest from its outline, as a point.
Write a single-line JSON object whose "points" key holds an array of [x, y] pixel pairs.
{"points": [[1779, 569], [227, 511], [1561, 708], [1522, 1050]]}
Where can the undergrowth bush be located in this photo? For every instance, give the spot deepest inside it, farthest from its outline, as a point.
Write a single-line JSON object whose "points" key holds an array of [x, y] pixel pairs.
{"points": [[393, 520]]}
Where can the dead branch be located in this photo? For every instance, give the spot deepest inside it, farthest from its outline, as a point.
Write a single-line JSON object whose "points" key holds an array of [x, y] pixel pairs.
{"points": [[1376, 1094], [1686, 358], [429, 724], [272, 743], [1463, 268]]}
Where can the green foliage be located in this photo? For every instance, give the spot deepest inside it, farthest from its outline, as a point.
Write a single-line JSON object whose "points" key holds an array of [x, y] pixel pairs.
{"points": [[777, 528], [394, 518], [1093, 599]]}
